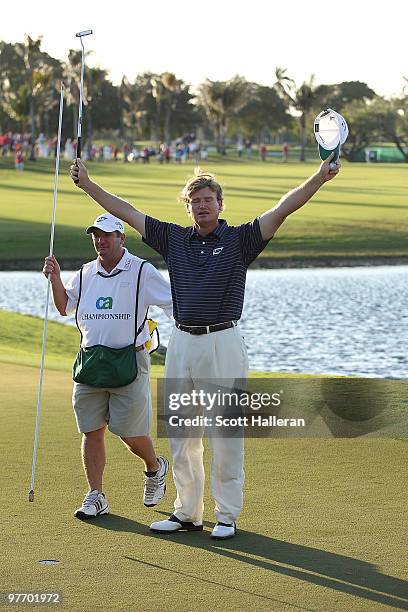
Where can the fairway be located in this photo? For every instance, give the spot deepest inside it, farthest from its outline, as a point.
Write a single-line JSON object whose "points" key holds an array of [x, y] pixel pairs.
{"points": [[322, 527], [360, 217]]}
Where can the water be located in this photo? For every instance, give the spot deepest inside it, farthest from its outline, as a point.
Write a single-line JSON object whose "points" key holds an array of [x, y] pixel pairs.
{"points": [[347, 321]]}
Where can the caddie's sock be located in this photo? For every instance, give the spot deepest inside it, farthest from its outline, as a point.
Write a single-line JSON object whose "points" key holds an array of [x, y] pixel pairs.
{"points": [[153, 472], [150, 474]]}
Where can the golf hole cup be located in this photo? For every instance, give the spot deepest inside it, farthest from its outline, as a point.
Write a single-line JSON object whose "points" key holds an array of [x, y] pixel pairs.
{"points": [[331, 131]]}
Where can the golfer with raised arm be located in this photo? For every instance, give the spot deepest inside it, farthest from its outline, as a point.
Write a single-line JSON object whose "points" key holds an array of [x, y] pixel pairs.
{"points": [[207, 264]]}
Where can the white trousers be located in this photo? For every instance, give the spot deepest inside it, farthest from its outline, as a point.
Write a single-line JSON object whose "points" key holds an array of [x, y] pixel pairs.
{"points": [[190, 359]]}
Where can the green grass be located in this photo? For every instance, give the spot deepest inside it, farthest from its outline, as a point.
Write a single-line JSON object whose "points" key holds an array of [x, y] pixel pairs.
{"points": [[360, 215], [322, 528]]}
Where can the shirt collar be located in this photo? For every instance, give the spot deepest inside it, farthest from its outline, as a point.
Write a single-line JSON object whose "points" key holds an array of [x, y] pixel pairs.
{"points": [[123, 264], [218, 232]]}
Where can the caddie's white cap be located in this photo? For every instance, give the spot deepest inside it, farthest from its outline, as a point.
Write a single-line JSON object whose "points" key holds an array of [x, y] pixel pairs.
{"points": [[107, 223]]}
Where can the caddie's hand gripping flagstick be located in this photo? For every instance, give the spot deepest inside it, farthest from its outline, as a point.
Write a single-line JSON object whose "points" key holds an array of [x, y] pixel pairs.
{"points": [[81, 92], [54, 208]]}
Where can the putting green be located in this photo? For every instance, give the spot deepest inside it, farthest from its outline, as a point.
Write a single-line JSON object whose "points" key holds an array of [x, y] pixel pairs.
{"points": [[322, 527], [361, 215]]}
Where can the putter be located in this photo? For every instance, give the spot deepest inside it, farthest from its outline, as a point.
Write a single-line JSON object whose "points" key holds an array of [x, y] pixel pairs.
{"points": [[47, 300], [81, 91]]}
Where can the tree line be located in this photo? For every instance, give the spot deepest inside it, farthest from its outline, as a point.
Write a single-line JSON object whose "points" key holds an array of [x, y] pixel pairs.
{"points": [[163, 107]]}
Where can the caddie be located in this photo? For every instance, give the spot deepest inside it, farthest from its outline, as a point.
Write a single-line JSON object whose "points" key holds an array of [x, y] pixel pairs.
{"points": [[110, 297], [207, 264]]}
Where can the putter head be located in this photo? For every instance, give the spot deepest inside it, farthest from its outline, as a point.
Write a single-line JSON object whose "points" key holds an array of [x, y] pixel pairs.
{"points": [[31, 495], [84, 33]]}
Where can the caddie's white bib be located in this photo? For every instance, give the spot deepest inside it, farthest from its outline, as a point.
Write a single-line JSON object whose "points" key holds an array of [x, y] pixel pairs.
{"points": [[106, 309]]}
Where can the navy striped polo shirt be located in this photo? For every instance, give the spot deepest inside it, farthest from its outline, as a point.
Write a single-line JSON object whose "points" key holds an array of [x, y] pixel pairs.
{"points": [[207, 274]]}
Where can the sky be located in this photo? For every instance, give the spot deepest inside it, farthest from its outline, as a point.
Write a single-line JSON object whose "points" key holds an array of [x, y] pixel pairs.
{"points": [[217, 39]]}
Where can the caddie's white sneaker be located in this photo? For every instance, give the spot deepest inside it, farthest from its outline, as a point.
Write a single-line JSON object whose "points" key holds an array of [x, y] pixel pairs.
{"points": [[223, 531], [173, 524], [155, 486], [94, 504]]}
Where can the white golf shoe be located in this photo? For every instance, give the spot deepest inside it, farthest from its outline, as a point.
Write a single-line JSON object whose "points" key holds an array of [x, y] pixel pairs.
{"points": [[155, 486], [173, 524], [94, 504], [223, 531]]}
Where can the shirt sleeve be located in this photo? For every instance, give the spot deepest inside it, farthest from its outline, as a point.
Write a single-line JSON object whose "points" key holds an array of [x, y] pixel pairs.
{"points": [[157, 291], [251, 241], [157, 235], [72, 291]]}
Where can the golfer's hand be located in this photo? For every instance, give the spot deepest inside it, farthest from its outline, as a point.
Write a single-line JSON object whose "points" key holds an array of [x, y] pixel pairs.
{"points": [[79, 174], [328, 169], [51, 266]]}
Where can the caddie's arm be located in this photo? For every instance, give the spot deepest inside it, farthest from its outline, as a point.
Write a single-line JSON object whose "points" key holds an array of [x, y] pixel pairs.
{"points": [[271, 220], [51, 267], [116, 206]]}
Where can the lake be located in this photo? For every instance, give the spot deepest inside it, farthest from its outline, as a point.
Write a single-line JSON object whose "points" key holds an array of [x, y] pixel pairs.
{"points": [[346, 321]]}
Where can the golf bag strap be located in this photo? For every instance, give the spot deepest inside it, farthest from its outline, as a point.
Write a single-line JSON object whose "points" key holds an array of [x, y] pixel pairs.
{"points": [[137, 330], [77, 306]]}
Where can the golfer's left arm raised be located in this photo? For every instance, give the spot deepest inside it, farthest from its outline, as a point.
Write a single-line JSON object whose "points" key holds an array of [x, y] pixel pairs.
{"points": [[271, 220], [118, 207]]}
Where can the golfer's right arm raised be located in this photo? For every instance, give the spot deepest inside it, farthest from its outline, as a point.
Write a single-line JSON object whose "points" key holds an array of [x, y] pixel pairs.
{"points": [[118, 207]]}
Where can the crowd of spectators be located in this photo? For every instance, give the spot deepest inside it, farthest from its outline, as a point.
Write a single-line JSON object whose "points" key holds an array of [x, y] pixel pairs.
{"points": [[22, 147], [179, 151]]}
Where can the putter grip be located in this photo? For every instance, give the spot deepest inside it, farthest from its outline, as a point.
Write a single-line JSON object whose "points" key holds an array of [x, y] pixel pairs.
{"points": [[78, 153]]}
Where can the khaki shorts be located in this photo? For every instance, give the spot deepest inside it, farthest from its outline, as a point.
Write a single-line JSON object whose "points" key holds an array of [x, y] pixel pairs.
{"points": [[126, 410]]}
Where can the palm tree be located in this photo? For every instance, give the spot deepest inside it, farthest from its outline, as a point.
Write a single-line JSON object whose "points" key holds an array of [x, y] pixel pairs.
{"points": [[303, 99], [123, 91], [30, 52], [221, 101], [172, 88], [157, 89], [45, 88], [36, 94], [72, 76], [132, 98], [16, 102], [96, 79]]}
